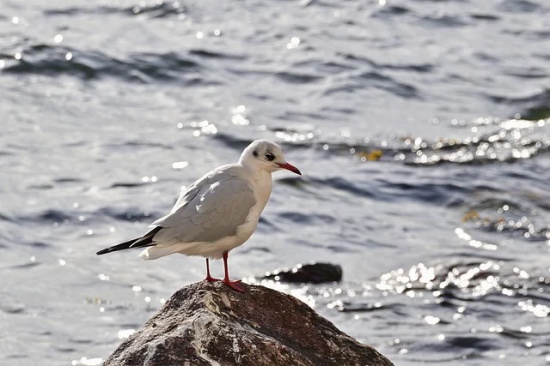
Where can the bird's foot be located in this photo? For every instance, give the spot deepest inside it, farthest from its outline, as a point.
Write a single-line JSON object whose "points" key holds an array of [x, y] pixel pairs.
{"points": [[235, 285], [211, 279]]}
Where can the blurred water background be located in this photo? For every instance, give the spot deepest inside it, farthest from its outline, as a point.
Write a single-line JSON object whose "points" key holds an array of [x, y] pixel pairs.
{"points": [[422, 129]]}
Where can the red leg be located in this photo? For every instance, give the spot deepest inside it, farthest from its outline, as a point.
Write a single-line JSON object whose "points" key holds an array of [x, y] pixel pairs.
{"points": [[208, 277], [235, 285]]}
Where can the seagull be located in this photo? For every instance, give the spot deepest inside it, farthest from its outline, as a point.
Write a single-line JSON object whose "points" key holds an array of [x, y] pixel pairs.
{"points": [[217, 213]]}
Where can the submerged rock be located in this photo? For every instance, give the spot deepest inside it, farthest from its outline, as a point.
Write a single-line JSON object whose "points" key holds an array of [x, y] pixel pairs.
{"points": [[210, 324], [307, 273]]}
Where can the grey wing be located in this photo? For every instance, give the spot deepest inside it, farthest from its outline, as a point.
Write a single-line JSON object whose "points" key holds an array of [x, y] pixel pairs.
{"points": [[185, 198], [215, 211]]}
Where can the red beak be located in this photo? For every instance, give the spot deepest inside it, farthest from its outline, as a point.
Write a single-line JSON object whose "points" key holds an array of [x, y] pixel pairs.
{"points": [[290, 167]]}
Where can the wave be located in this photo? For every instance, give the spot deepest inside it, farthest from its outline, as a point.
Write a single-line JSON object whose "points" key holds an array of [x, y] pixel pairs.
{"points": [[502, 142], [130, 215], [159, 9], [374, 79], [494, 142], [532, 107], [51, 60]]}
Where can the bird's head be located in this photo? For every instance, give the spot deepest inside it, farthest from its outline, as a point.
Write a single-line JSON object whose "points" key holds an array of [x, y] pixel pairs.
{"points": [[266, 155]]}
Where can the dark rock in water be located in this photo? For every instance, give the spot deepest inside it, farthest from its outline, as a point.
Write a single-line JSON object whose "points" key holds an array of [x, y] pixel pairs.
{"points": [[210, 324], [307, 273], [536, 113]]}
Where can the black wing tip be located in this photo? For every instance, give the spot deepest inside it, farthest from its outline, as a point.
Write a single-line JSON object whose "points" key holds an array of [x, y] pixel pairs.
{"points": [[103, 251], [144, 241]]}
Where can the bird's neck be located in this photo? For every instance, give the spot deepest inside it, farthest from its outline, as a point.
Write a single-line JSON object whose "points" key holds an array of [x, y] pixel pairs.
{"points": [[262, 189], [261, 181]]}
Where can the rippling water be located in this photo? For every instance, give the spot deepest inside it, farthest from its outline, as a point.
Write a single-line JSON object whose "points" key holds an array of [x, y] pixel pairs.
{"points": [[422, 129]]}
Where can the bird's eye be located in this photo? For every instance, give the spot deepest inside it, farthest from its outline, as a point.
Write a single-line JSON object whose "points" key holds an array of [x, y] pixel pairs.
{"points": [[269, 156]]}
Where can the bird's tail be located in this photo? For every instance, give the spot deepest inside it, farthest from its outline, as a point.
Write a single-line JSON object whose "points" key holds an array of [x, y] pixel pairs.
{"points": [[144, 241]]}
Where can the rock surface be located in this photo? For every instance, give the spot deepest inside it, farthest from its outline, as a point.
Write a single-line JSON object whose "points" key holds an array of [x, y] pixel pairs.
{"points": [[210, 324]]}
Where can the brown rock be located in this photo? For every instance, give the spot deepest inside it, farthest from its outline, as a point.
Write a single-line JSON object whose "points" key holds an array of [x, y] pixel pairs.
{"points": [[210, 324]]}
